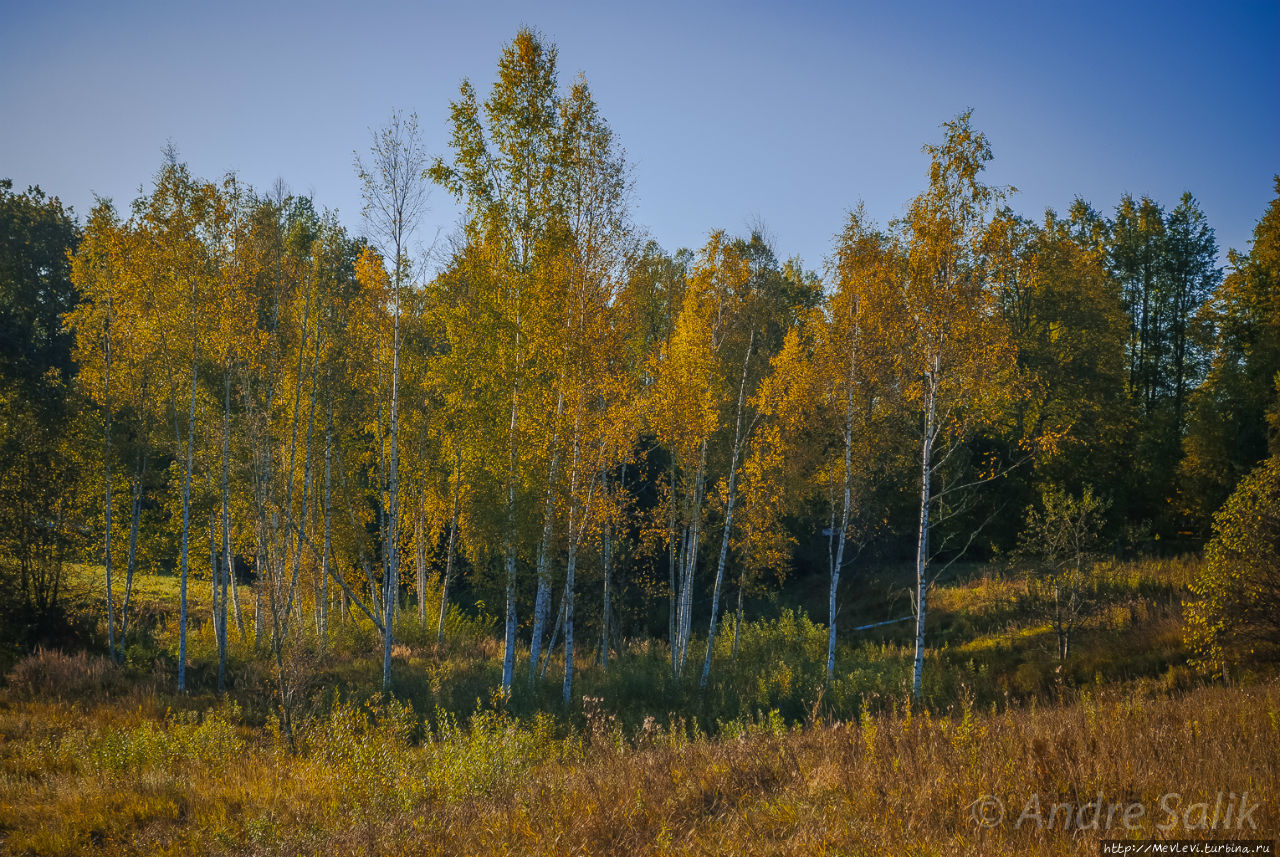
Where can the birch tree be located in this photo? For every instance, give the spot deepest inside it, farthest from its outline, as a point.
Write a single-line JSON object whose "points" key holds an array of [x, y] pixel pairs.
{"points": [[96, 269], [179, 224], [597, 385], [395, 195], [855, 355], [955, 348], [684, 415], [534, 169]]}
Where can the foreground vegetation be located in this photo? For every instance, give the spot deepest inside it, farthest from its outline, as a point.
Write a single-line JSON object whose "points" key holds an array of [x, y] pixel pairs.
{"points": [[100, 758]]}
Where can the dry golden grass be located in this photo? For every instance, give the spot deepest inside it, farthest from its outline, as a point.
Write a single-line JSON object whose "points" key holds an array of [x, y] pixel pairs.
{"points": [[106, 780], [99, 759]]}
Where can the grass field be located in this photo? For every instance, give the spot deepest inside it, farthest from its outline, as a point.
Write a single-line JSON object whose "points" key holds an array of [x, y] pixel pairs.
{"points": [[1010, 752]]}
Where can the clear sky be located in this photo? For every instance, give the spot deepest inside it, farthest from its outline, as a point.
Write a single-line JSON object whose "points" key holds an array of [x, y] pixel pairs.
{"points": [[729, 112]]}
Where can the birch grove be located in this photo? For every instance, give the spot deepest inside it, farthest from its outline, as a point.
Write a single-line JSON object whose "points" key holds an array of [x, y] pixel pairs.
{"points": [[553, 421]]}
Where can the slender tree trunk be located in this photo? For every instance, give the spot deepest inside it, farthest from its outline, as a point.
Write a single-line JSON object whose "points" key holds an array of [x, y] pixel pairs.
{"points": [[306, 480], [542, 600], [218, 600], [606, 571], [449, 552], [570, 565], [556, 628], [728, 514], [574, 532], [281, 599], [235, 600], [838, 563], [509, 552], [106, 478], [263, 581], [393, 524], [922, 538], [420, 560], [690, 575], [186, 526], [348, 596], [131, 562], [214, 571], [328, 497], [694, 536], [677, 656], [673, 549], [227, 554], [228, 570]]}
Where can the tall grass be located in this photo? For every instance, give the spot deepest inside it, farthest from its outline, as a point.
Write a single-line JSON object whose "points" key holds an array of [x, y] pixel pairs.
{"points": [[771, 757], [369, 778]]}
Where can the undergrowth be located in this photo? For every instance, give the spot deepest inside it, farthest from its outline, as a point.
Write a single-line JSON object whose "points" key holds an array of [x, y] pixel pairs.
{"points": [[308, 756]]}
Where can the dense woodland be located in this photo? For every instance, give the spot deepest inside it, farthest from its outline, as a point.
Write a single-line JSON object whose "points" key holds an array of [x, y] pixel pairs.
{"points": [[554, 427]]}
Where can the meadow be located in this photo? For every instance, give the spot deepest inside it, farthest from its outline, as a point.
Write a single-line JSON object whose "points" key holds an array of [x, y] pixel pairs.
{"points": [[1010, 751]]}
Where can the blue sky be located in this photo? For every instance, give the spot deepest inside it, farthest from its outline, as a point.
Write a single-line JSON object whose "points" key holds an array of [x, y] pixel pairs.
{"points": [[729, 112]]}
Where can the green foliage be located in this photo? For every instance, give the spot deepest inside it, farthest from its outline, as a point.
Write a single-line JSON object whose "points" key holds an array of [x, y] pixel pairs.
{"points": [[1070, 327], [36, 233], [780, 664], [374, 756], [41, 447], [210, 741], [1235, 413], [1166, 265], [1064, 531], [565, 402], [1235, 617]]}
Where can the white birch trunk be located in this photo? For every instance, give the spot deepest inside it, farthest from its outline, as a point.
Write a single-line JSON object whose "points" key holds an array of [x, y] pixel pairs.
{"points": [[606, 570], [570, 565], [509, 554], [219, 605], [542, 600], [106, 478], [728, 516], [922, 538], [673, 550], [420, 560], [841, 535], [186, 527], [691, 556], [449, 551], [227, 556], [393, 525], [328, 497]]}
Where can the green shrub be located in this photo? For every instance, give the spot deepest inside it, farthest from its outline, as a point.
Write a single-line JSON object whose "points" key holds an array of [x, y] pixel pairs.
{"points": [[1235, 615]]}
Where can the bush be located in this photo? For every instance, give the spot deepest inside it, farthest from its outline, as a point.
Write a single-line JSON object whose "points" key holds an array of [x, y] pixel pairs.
{"points": [[51, 673], [1235, 617], [780, 664]]}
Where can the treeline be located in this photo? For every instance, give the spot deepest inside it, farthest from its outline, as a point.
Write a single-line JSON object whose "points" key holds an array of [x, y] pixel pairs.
{"points": [[577, 428]]}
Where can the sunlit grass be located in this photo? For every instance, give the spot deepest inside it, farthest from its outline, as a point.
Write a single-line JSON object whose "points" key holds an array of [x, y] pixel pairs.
{"points": [[770, 758], [380, 778]]}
